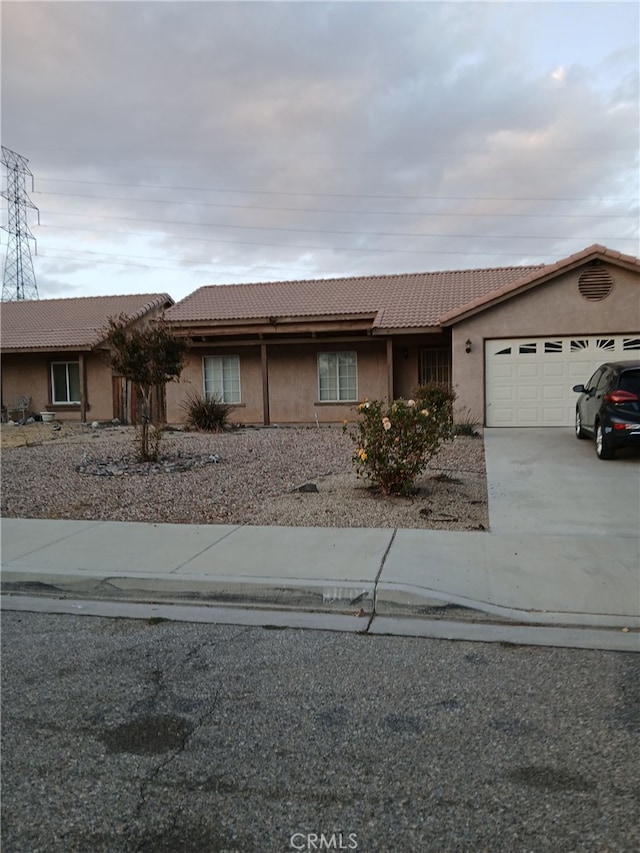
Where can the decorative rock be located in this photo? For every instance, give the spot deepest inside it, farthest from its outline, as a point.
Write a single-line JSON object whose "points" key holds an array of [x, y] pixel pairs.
{"points": [[94, 424], [124, 467], [308, 487]]}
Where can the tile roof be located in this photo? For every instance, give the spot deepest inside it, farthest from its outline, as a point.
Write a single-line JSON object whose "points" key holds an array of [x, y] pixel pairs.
{"points": [[538, 275], [409, 300], [79, 323]]}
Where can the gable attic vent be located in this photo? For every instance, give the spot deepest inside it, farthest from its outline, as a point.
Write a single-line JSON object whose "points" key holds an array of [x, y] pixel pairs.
{"points": [[595, 283]]}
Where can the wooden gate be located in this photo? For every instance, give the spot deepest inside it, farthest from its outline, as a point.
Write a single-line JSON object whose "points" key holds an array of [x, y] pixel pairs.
{"points": [[127, 403]]}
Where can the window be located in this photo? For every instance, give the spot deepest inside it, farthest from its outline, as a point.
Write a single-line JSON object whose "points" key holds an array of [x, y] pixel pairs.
{"points": [[435, 366], [337, 377], [605, 343], [528, 349], [592, 384], [222, 378], [630, 381], [577, 346], [65, 382], [631, 343]]}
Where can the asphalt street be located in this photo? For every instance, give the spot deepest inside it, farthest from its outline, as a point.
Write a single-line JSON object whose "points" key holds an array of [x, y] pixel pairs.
{"points": [[147, 735]]}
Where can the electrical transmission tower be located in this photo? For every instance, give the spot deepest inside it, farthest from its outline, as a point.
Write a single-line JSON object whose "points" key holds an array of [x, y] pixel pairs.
{"points": [[19, 280]]}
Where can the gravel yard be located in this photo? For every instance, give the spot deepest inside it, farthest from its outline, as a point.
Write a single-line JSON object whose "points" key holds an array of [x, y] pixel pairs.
{"points": [[245, 476]]}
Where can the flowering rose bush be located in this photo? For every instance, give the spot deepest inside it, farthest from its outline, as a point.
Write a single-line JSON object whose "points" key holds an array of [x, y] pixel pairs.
{"points": [[394, 443]]}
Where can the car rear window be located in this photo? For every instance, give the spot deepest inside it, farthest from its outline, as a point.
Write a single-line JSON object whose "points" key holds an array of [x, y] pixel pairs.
{"points": [[630, 381]]}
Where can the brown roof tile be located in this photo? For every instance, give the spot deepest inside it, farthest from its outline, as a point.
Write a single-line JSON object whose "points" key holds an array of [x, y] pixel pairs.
{"points": [[79, 323], [539, 274], [397, 301]]}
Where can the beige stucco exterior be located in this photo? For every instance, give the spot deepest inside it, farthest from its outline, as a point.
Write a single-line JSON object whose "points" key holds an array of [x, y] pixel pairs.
{"points": [[278, 356], [292, 377], [29, 375], [292, 381], [553, 308]]}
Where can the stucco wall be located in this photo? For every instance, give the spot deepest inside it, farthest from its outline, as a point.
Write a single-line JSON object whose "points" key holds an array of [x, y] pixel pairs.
{"points": [[99, 389], [25, 376], [192, 382], [555, 308], [293, 382], [29, 375]]}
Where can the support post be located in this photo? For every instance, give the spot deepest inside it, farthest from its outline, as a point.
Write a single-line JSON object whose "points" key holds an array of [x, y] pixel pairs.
{"points": [[390, 369], [83, 388], [265, 385]]}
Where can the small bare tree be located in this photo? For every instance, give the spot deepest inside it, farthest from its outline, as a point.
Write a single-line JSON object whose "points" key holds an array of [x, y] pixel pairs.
{"points": [[148, 357]]}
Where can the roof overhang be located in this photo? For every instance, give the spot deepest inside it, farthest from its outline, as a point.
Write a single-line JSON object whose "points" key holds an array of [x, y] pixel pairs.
{"points": [[44, 350], [274, 326], [545, 274], [406, 330]]}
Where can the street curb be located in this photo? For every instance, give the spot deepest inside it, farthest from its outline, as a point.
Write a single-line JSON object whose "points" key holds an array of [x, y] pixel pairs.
{"points": [[381, 600]]}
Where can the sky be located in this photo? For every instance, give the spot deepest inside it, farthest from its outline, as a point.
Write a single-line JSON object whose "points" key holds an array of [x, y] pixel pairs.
{"points": [[181, 144]]}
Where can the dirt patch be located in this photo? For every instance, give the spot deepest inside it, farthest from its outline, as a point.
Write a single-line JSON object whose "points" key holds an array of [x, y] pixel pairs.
{"points": [[36, 433]]}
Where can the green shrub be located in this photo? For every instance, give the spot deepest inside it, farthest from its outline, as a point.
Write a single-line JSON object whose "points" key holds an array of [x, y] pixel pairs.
{"points": [[394, 443], [207, 413]]}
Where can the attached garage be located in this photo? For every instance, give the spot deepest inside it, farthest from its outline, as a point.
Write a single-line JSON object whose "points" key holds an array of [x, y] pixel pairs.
{"points": [[518, 351], [529, 381]]}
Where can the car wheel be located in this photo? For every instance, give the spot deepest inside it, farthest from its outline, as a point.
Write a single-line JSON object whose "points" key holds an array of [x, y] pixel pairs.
{"points": [[603, 447], [580, 433]]}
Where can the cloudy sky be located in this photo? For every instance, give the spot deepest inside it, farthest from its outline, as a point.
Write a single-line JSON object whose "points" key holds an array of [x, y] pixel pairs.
{"points": [[177, 144]]}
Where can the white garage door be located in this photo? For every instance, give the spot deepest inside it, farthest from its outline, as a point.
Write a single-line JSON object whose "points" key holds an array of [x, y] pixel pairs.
{"points": [[529, 381]]}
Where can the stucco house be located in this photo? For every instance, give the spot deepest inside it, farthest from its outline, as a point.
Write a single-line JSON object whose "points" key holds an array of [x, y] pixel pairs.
{"points": [[511, 341], [53, 354]]}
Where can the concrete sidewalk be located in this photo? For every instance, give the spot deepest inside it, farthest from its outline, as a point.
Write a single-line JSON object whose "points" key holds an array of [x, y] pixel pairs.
{"points": [[556, 565], [428, 575]]}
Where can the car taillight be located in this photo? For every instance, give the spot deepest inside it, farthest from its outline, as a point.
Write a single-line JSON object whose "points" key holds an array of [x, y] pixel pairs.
{"points": [[621, 397]]}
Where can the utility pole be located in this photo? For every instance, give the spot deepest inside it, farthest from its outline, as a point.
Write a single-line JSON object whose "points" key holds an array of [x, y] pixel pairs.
{"points": [[19, 280]]}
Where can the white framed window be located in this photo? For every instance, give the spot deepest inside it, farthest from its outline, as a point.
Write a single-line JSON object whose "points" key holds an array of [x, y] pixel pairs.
{"points": [[65, 382], [337, 377], [222, 377]]}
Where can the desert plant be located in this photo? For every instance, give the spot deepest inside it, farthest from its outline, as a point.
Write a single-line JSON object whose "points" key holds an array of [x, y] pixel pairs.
{"points": [[207, 413], [394, 443], [467, 425]]}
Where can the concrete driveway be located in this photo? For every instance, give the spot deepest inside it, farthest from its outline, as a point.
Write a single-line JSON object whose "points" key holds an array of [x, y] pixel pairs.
{"points": [[546, 481]]}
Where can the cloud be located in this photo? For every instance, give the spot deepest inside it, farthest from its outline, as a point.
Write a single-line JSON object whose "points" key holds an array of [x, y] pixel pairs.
{"points": [[224, 140]]}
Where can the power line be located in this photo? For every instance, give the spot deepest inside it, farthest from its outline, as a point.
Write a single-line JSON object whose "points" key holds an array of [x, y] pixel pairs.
{"points": [[316, 248], [342, 211], [337, 195], [332, 231]]}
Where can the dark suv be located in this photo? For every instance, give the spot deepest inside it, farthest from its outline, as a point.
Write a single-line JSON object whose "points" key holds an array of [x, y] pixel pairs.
{"points": [[608, 407]]}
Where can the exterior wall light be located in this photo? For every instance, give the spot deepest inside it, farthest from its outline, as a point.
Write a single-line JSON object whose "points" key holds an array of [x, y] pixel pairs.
{"points": [[467, 345]]}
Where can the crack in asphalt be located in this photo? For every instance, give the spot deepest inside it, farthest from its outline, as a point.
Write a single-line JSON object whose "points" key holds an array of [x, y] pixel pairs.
{"points": [[158, 677]]}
